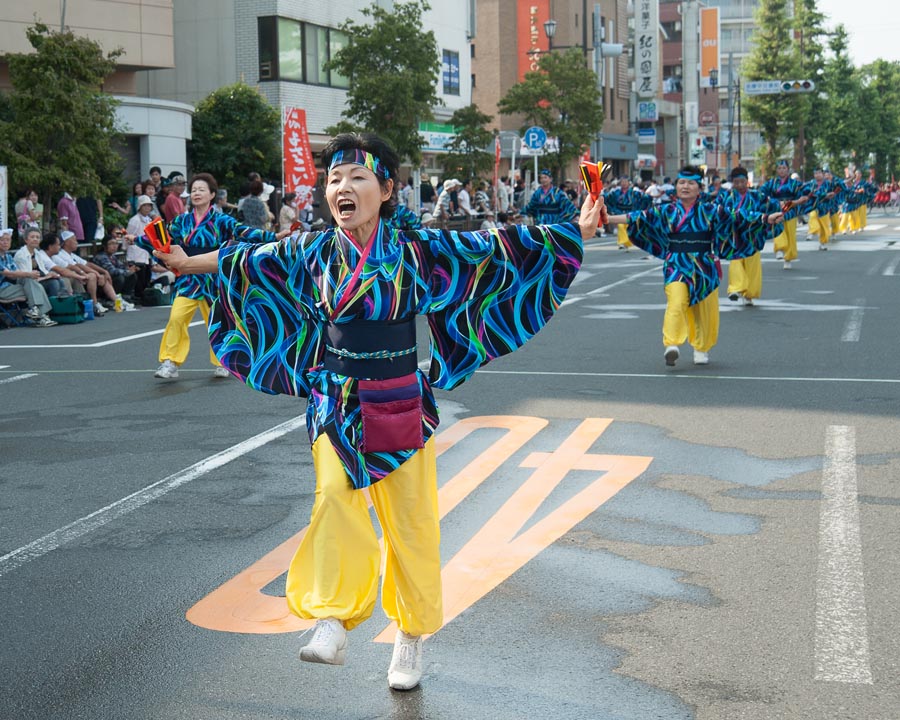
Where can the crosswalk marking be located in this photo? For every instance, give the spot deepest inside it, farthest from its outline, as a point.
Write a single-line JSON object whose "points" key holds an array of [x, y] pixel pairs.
{"points": [[842, 640]]}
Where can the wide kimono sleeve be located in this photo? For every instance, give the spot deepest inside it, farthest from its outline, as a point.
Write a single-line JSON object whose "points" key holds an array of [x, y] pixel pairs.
{"points": [[231, 230], [741, 232], [489, 292], [262, 326], [647, 230]]}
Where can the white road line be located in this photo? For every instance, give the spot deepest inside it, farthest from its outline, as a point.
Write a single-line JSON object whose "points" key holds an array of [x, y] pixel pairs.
{"points": [[98, 518], [576, 298], [14, 378], [103, 343], [842, 639], [3, 367], [854, 323], [670, 376], [892, 268]]}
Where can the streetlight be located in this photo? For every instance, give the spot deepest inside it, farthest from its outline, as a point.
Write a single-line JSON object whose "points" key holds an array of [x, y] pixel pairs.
{"points": [[550, 31]]}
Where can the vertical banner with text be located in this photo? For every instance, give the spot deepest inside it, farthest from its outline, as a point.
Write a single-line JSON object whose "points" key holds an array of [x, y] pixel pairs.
{"points": [[531, 40], [709, 44], [646, 47], [4, 194], [299, 171]]}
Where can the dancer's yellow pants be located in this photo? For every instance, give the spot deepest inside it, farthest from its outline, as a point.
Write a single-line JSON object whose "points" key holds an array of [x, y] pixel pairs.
{"points": [[850, 221], [835, 223], [335, 570], [698, 323], [622, 236], [820, 225], [863, 216], [176, 342], [745, 276], [787, 241]]}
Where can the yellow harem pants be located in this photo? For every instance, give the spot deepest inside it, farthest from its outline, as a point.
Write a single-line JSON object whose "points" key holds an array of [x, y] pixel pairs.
{"points": [[698, 323], [745, 276], [835, 223], [863, 216], [820, 225], [850, 221], [335, 570], [622, 237], [787, 241], [176, 342]]}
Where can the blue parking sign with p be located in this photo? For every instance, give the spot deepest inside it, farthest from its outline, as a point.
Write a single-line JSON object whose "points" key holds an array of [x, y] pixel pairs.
{"points": [[535, 137]]}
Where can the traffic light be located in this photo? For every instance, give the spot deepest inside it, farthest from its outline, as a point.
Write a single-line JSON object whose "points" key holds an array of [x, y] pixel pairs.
{"points": [[797, 86]]}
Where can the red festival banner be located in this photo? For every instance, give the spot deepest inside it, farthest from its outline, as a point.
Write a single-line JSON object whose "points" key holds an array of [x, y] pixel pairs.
{"points": [[299, 171], [531, 40]]}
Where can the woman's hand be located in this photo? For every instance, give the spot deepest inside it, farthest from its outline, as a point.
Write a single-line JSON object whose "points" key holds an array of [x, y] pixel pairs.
{"points": [[775, 218], [591, 212], [175, 259], [283, 234]]}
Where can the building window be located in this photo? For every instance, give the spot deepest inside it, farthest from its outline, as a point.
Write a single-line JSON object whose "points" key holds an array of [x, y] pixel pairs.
{"points": [[451, 72], [296, 51]]}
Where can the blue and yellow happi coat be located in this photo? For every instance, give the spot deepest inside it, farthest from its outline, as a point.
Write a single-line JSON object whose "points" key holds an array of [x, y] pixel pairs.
{"points": [[484, 295], [214, 230], [620, 202], [747, 228], [652, 229], [783, 189]]}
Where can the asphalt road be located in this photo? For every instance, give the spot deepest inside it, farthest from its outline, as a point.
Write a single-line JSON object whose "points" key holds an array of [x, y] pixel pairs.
{"points": [[708, 542]]}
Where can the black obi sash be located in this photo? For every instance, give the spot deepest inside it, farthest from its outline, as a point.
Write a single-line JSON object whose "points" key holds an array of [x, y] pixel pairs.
{"points": [[371, 348], [698, 241]]}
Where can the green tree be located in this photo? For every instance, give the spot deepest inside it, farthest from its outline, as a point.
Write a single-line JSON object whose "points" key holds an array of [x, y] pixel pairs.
{"points": [[809, 57], [839, 128], [880, 115], [466, 154], [561, 96], [58, 127], [236, 132], [772, 58], [392, 67]]}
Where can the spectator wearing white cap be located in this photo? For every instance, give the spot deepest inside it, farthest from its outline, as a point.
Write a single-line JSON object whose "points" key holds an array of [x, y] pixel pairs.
{"points": [[427, 220], [446, 206], [92, 280], [18, 285]]}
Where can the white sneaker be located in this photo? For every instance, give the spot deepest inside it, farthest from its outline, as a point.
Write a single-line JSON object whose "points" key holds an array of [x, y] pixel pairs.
{"points": [[748, 301], [822, 247], [671, 355], [99, 309], [701, 358], [779, 255], [405, 671], [787, 264], [168, 370], [328, 644], [221, 372], [45, 321], [34, 313]]}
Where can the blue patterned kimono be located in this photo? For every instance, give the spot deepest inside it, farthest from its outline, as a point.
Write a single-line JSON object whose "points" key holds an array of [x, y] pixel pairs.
{"points": [[817, 200], [215, 229], [404, 219], [550, 207], [484, 295], [781, 190], [746, 229], [663, 230], [619, 202]]}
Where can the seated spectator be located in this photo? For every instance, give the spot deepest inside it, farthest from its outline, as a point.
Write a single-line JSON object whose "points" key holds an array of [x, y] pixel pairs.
{"points": [[124, 276], [89, 278], [48, 252], [488, 222], [22, 285], [28, 259], [288, 214], [222, 205], [150, 272], [427, 220]]}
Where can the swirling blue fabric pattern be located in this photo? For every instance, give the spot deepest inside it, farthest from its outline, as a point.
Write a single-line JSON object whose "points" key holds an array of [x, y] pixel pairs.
{"points": [[484, 294]]}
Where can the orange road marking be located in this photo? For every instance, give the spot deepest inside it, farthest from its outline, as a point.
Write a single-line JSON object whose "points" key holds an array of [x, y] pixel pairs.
{"points": [[489, 558]]}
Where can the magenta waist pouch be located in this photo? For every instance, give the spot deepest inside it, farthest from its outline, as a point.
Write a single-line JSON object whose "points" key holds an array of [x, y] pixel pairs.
{"points": [[391, 413]]}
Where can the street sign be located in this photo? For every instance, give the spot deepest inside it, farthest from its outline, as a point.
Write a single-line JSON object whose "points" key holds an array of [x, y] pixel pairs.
{"points": [[646, 136], [708, 117], [648, 111], [535, 137], [696, 148], [762, 87]]}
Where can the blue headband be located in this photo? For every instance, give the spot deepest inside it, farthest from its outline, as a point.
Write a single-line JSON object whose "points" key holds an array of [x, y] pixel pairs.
{"points": [[360, 157], [782, 162], [545, 172], [735, 175], [690, 176]]}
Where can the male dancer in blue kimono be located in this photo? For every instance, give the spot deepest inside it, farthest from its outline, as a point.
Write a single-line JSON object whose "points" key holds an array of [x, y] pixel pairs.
{"points": [[820, 191], [688, 235], [785, 189], [548, 204], [622, 200], [745, 273]]}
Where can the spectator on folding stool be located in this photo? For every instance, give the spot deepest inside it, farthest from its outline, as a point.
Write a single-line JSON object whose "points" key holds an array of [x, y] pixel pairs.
{"points": [[22, 285], [29, 258], [95, 281], [124, 277]]}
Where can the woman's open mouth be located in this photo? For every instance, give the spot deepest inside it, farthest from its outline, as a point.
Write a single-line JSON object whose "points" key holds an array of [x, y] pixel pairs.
{"points": [[346, 208]]}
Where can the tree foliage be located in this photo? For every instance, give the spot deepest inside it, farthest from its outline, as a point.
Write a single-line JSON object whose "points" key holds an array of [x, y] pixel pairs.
{"points": [[561, 96], [57, 128], [880, 113], [236, 132], [466, 154], [809, 29], [772, 58], [392, 67]]}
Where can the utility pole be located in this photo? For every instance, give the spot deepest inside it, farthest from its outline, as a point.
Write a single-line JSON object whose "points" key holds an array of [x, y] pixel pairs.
{"points": [[690, 53], [728, 145]]}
